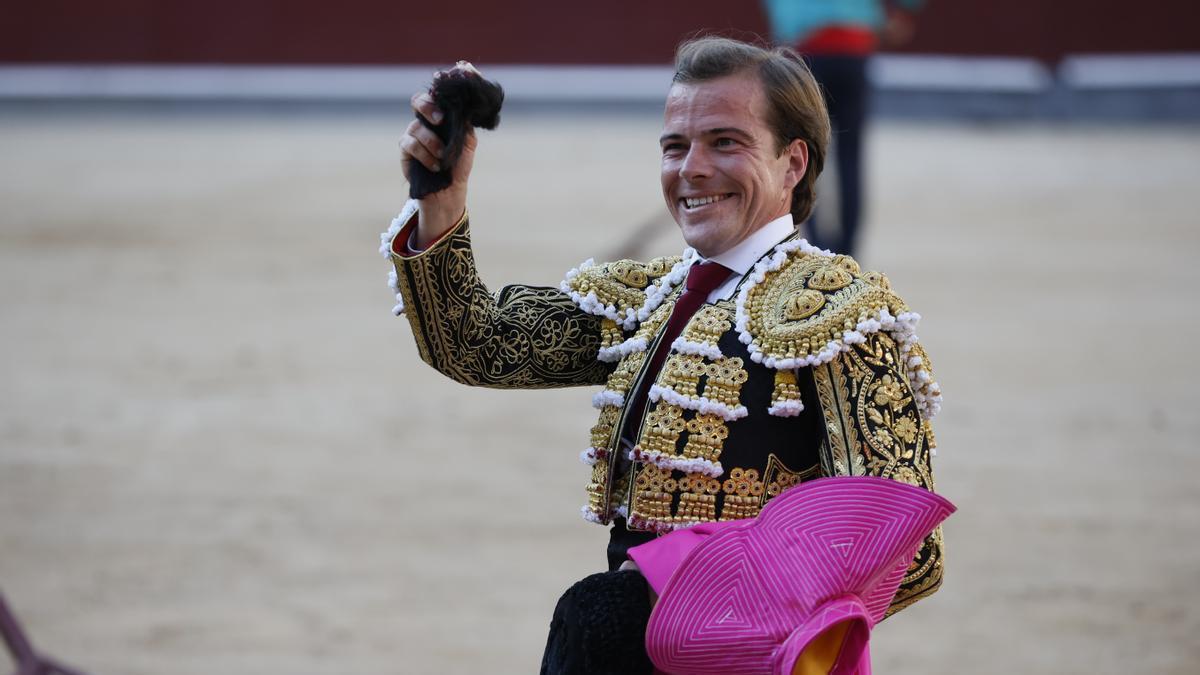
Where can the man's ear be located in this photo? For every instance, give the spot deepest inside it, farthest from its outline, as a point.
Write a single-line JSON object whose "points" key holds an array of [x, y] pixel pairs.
{"points": [[797, 153]]}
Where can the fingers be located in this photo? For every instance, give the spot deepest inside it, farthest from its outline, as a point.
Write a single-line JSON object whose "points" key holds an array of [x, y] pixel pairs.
{"points": [[421, 144], [422, 104]]}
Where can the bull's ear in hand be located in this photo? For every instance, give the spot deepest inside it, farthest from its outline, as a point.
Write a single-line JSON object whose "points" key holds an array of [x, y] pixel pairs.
{"points": [[466, 100]]}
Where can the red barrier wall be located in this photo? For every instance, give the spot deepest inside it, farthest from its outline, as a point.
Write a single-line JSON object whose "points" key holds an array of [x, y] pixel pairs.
{"points": [[542, 31]]}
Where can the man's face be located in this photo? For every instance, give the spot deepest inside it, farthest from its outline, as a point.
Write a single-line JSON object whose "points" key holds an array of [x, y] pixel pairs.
{"points": [[721, 175]]}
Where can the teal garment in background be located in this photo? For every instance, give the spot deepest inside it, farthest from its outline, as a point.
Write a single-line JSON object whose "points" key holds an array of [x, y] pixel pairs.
{"points": [[794, 20]]}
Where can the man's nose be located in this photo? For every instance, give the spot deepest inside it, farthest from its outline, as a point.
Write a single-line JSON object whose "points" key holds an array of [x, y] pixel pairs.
{"points": [[695, 163]]}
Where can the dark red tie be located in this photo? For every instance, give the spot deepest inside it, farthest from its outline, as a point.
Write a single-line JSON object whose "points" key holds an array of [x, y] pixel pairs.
{"points": [[702, 279]]}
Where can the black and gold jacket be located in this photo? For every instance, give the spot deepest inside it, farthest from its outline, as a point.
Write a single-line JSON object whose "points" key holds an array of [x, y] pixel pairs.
{"points": [[813, 370]]}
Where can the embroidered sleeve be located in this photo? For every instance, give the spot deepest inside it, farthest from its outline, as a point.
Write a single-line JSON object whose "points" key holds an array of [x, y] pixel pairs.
{"points": [[877, 426], [519, 337]]}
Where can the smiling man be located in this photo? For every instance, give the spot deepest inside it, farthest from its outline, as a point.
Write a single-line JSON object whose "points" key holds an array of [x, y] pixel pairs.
{"points": [[749, 364]]}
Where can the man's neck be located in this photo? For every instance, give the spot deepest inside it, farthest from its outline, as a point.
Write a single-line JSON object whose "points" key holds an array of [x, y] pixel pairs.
{"points": [[741, 256]]}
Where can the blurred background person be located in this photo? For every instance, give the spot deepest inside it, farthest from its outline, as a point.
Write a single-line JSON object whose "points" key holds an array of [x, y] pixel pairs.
{"points": [[837, 37]]}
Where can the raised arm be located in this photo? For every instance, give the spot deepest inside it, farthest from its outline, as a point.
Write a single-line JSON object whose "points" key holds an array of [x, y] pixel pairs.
{"points": [[520, 337]]}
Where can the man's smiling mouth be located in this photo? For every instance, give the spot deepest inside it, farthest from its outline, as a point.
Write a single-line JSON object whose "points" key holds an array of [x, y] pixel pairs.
{"points": [[696, 202]]}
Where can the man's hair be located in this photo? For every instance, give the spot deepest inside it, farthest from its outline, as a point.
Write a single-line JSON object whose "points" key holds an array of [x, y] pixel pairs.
{"points": [[795, 107]]}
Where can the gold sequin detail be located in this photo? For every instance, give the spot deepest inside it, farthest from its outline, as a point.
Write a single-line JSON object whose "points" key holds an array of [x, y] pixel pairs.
{"points": [[610, 334], [743, 494], [663, 426], [804, 304], [595, 488], [622, 378], [621, 284], [737, 507], [706, 437], [682, 373], [725, 379], [697, 498], [652, 499], [603, 428], [878, 279], [785, 387], [830, 279], [847, 263], [707, 325], [771, 304], [630, 273], [782, 481]]}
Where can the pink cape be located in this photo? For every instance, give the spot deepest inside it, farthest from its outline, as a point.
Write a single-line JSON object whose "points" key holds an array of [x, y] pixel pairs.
{"points": [[748, 596]]}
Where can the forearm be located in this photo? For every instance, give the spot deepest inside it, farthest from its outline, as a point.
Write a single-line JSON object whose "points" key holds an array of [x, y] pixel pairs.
{"points": [[521, 337]]}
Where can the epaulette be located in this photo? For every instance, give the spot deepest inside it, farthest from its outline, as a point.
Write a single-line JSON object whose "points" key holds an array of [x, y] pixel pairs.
{"points": [[624, 293], [803, 306]]}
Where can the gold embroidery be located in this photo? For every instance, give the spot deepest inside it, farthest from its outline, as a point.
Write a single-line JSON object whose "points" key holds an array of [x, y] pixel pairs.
{"points": [[661, 431], [621, 284], [743, 494], [830, 279], [697, 498], [803, 305], [847, 263], [523, 337], [651, 498], [725, 379], [878, 279], [603, 429], [604, 434], [841, 437], [868, 403], [707, 325], [630, 273], [657, 267], [737, 507], [770, 306], [595, 488], [779, 477], [610, 334], [706, 437], [622, 378], [682, 373], [785, 388]]}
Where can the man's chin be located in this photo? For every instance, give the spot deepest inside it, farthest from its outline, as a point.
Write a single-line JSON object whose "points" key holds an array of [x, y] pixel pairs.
{"points": [[702, 238]]}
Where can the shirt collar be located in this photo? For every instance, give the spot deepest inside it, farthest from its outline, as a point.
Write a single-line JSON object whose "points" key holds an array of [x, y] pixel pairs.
{"points": [[741, 258]]}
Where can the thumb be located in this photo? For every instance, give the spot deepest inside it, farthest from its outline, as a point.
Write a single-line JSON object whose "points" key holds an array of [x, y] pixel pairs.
{"points": [[466, 160]]}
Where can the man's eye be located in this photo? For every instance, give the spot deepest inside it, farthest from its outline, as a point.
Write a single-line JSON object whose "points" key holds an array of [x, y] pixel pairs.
{"points": [[672, 147], [724, 142]]}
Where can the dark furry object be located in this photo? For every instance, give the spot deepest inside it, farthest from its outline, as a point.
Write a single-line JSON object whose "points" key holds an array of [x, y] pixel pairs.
{"points": [[466, 100], [599, 627]]}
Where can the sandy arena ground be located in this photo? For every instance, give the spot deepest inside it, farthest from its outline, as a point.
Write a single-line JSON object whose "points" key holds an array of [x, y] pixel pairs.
{"points": [[219, 452]]}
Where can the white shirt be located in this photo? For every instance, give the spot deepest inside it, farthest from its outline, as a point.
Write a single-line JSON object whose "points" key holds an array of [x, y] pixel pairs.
{"points": [[741, 258]]}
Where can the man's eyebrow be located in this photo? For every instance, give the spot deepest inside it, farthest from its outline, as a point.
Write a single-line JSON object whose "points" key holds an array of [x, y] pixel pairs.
{"points": [[718, 131], [721, 131]]}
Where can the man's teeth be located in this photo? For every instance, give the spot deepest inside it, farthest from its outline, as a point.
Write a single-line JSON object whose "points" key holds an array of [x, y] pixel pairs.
{"points": [[693, 202]]}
